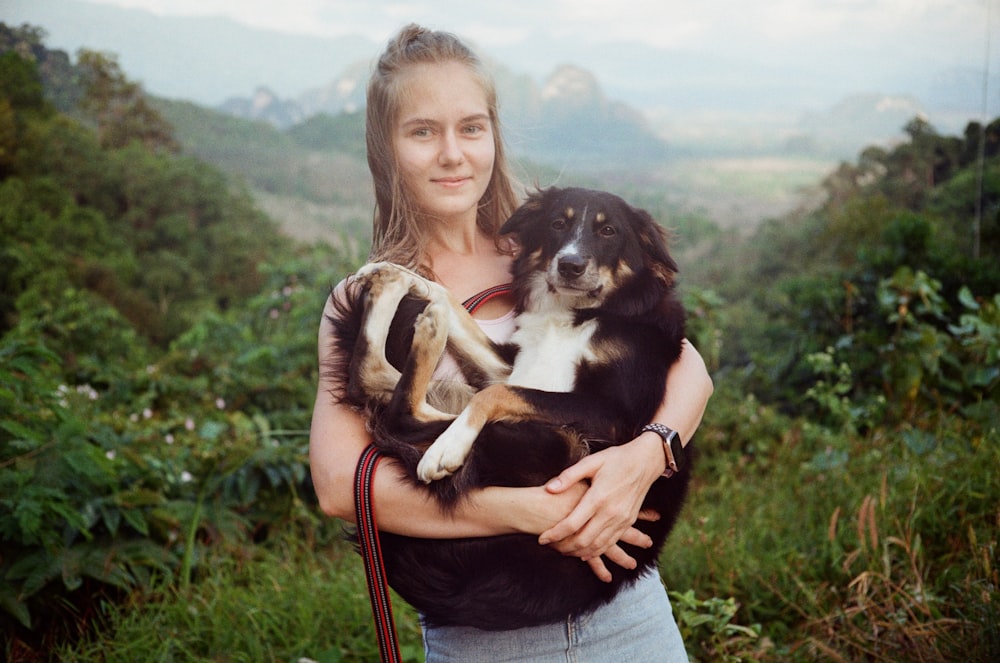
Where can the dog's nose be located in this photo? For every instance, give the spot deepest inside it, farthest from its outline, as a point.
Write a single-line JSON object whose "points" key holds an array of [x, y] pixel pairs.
{"points": [[571, 266]]}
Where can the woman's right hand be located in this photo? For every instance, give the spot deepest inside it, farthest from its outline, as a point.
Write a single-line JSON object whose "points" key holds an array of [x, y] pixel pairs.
{"points": [[536, 510]]}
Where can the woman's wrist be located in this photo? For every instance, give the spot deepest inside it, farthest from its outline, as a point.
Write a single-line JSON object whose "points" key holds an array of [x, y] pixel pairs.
{"points": [[506, 510], [650, 446]]}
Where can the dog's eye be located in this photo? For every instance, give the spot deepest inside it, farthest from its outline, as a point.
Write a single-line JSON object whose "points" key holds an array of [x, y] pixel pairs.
{"points": [[608, 231], [559, 223]]}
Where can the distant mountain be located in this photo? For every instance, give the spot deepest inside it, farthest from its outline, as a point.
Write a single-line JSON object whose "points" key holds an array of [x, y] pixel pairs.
{"points": [[265, 105], [570, 119], [566, 119]]}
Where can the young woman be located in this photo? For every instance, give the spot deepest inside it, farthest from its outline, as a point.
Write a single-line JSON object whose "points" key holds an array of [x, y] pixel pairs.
{"points": [[442, 191]]}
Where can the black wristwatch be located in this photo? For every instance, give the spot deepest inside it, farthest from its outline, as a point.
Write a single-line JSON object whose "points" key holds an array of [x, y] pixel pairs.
{"points": [[672, 447]]}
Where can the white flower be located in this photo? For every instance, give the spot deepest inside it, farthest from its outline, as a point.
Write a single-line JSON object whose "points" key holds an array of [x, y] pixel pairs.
{"points": [[186, 477], [189, 423], [169, 439], [220, 403], [110, 454], [147, 413]]}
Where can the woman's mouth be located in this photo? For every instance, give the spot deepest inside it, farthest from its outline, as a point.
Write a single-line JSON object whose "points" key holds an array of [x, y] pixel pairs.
{"points": [[451, 181]]}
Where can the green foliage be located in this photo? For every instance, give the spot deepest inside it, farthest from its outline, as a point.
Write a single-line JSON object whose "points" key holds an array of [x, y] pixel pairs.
{"points": [[298, 163], [852, 444], [119, 107], [342, 133], [156, 374], [708, 626]]}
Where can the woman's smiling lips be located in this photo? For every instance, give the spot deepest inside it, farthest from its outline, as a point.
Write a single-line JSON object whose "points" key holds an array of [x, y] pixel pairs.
{"points": [[451, 181]]}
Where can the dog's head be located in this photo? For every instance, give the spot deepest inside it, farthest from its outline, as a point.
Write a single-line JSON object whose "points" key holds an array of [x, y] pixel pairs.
{"points": [[585, 245]]}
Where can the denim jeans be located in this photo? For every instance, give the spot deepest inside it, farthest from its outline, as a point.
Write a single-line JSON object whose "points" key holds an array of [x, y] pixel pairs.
{"points": [[636, 627]]}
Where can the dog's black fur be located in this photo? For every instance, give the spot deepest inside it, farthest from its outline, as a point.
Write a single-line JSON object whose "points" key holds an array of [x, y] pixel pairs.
{"points": [[617, 281]]}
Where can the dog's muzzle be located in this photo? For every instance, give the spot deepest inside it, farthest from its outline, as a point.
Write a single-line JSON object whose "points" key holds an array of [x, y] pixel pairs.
{"points": [[574, 274], [571, 267]]}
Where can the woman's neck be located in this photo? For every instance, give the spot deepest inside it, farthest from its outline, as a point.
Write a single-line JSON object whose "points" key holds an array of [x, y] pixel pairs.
{"points": [[459, 240]]}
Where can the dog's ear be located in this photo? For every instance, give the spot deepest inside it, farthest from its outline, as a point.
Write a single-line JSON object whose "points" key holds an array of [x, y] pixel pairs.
{"points": [[653, 241], [526, 213]]}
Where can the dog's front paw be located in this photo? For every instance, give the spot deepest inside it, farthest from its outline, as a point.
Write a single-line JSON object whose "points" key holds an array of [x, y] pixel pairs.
{"points": [[448, 453]]}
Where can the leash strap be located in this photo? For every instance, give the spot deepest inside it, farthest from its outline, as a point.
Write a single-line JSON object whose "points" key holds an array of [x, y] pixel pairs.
{"points": [[368, 539], [474, 302], [371, 552]]}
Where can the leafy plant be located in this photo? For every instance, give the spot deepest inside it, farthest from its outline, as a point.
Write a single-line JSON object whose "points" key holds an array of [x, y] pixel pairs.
{"points": [[707, 627]]}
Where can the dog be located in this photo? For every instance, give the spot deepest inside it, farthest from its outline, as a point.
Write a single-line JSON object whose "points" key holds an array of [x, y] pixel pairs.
{"points": [[598, 325]]}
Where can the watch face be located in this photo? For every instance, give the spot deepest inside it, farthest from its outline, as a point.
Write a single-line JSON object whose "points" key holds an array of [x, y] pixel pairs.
{"points": [[677, 449]]}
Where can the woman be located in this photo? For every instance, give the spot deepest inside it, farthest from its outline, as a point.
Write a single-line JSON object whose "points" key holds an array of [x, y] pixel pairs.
{"points": [[442, 191]]}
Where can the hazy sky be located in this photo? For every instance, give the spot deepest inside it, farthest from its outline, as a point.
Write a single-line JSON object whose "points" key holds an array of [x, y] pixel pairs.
{"points": [[657, 22], [893, 28]]}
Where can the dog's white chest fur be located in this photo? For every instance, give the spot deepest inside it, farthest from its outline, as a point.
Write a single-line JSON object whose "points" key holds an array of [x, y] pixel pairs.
{"points": [[551, 349]]}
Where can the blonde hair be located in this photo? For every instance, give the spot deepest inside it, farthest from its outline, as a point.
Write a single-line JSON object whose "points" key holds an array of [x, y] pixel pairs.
{"points": [[397, 232]]}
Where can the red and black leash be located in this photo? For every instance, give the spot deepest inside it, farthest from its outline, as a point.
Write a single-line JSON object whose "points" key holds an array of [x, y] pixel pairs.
{"points": [[368, 538], [371, 552]]}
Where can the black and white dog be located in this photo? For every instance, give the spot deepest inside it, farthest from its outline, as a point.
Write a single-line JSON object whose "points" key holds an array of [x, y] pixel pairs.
{"points": [[598, 326]]}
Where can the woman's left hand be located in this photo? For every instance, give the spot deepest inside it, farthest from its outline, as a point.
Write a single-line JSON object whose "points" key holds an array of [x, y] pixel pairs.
{"points": [[619, 479]]}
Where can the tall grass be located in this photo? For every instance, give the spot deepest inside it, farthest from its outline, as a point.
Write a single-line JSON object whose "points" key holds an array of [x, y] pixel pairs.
{"points": [[293, 599]]}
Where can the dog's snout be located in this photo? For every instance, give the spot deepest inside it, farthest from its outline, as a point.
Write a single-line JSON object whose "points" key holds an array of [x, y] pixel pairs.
{"points": [[571, 266]]}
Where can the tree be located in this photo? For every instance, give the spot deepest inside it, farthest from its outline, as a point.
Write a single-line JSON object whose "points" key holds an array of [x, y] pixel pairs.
{"points": [[119, 106]]}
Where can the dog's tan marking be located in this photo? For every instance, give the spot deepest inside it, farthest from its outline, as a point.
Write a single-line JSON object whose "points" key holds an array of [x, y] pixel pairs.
{"points": [[601, 217], [494, 403], [570, 212]]}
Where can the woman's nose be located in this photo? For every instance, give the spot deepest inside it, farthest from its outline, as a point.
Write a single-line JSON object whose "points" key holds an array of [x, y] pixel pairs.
{"points": [[450, 150]]}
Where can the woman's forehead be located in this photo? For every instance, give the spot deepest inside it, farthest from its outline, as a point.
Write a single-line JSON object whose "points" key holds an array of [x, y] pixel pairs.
{"points": [[433, 89]]}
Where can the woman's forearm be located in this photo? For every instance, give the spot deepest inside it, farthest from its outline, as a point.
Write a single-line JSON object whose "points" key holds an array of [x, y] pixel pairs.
{"points": [[689, 386]]}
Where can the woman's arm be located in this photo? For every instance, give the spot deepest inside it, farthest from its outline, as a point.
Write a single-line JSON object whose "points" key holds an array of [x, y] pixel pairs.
{"points": [[621, 476]]}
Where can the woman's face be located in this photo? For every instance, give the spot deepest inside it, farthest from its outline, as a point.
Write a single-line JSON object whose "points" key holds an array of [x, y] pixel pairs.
{"points": [[444, 140]]}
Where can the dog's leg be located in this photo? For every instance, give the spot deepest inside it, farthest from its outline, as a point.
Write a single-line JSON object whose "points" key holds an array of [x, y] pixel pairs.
{"points": [[430, 334], [376, 375], [452, 447], [473, 349]]}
